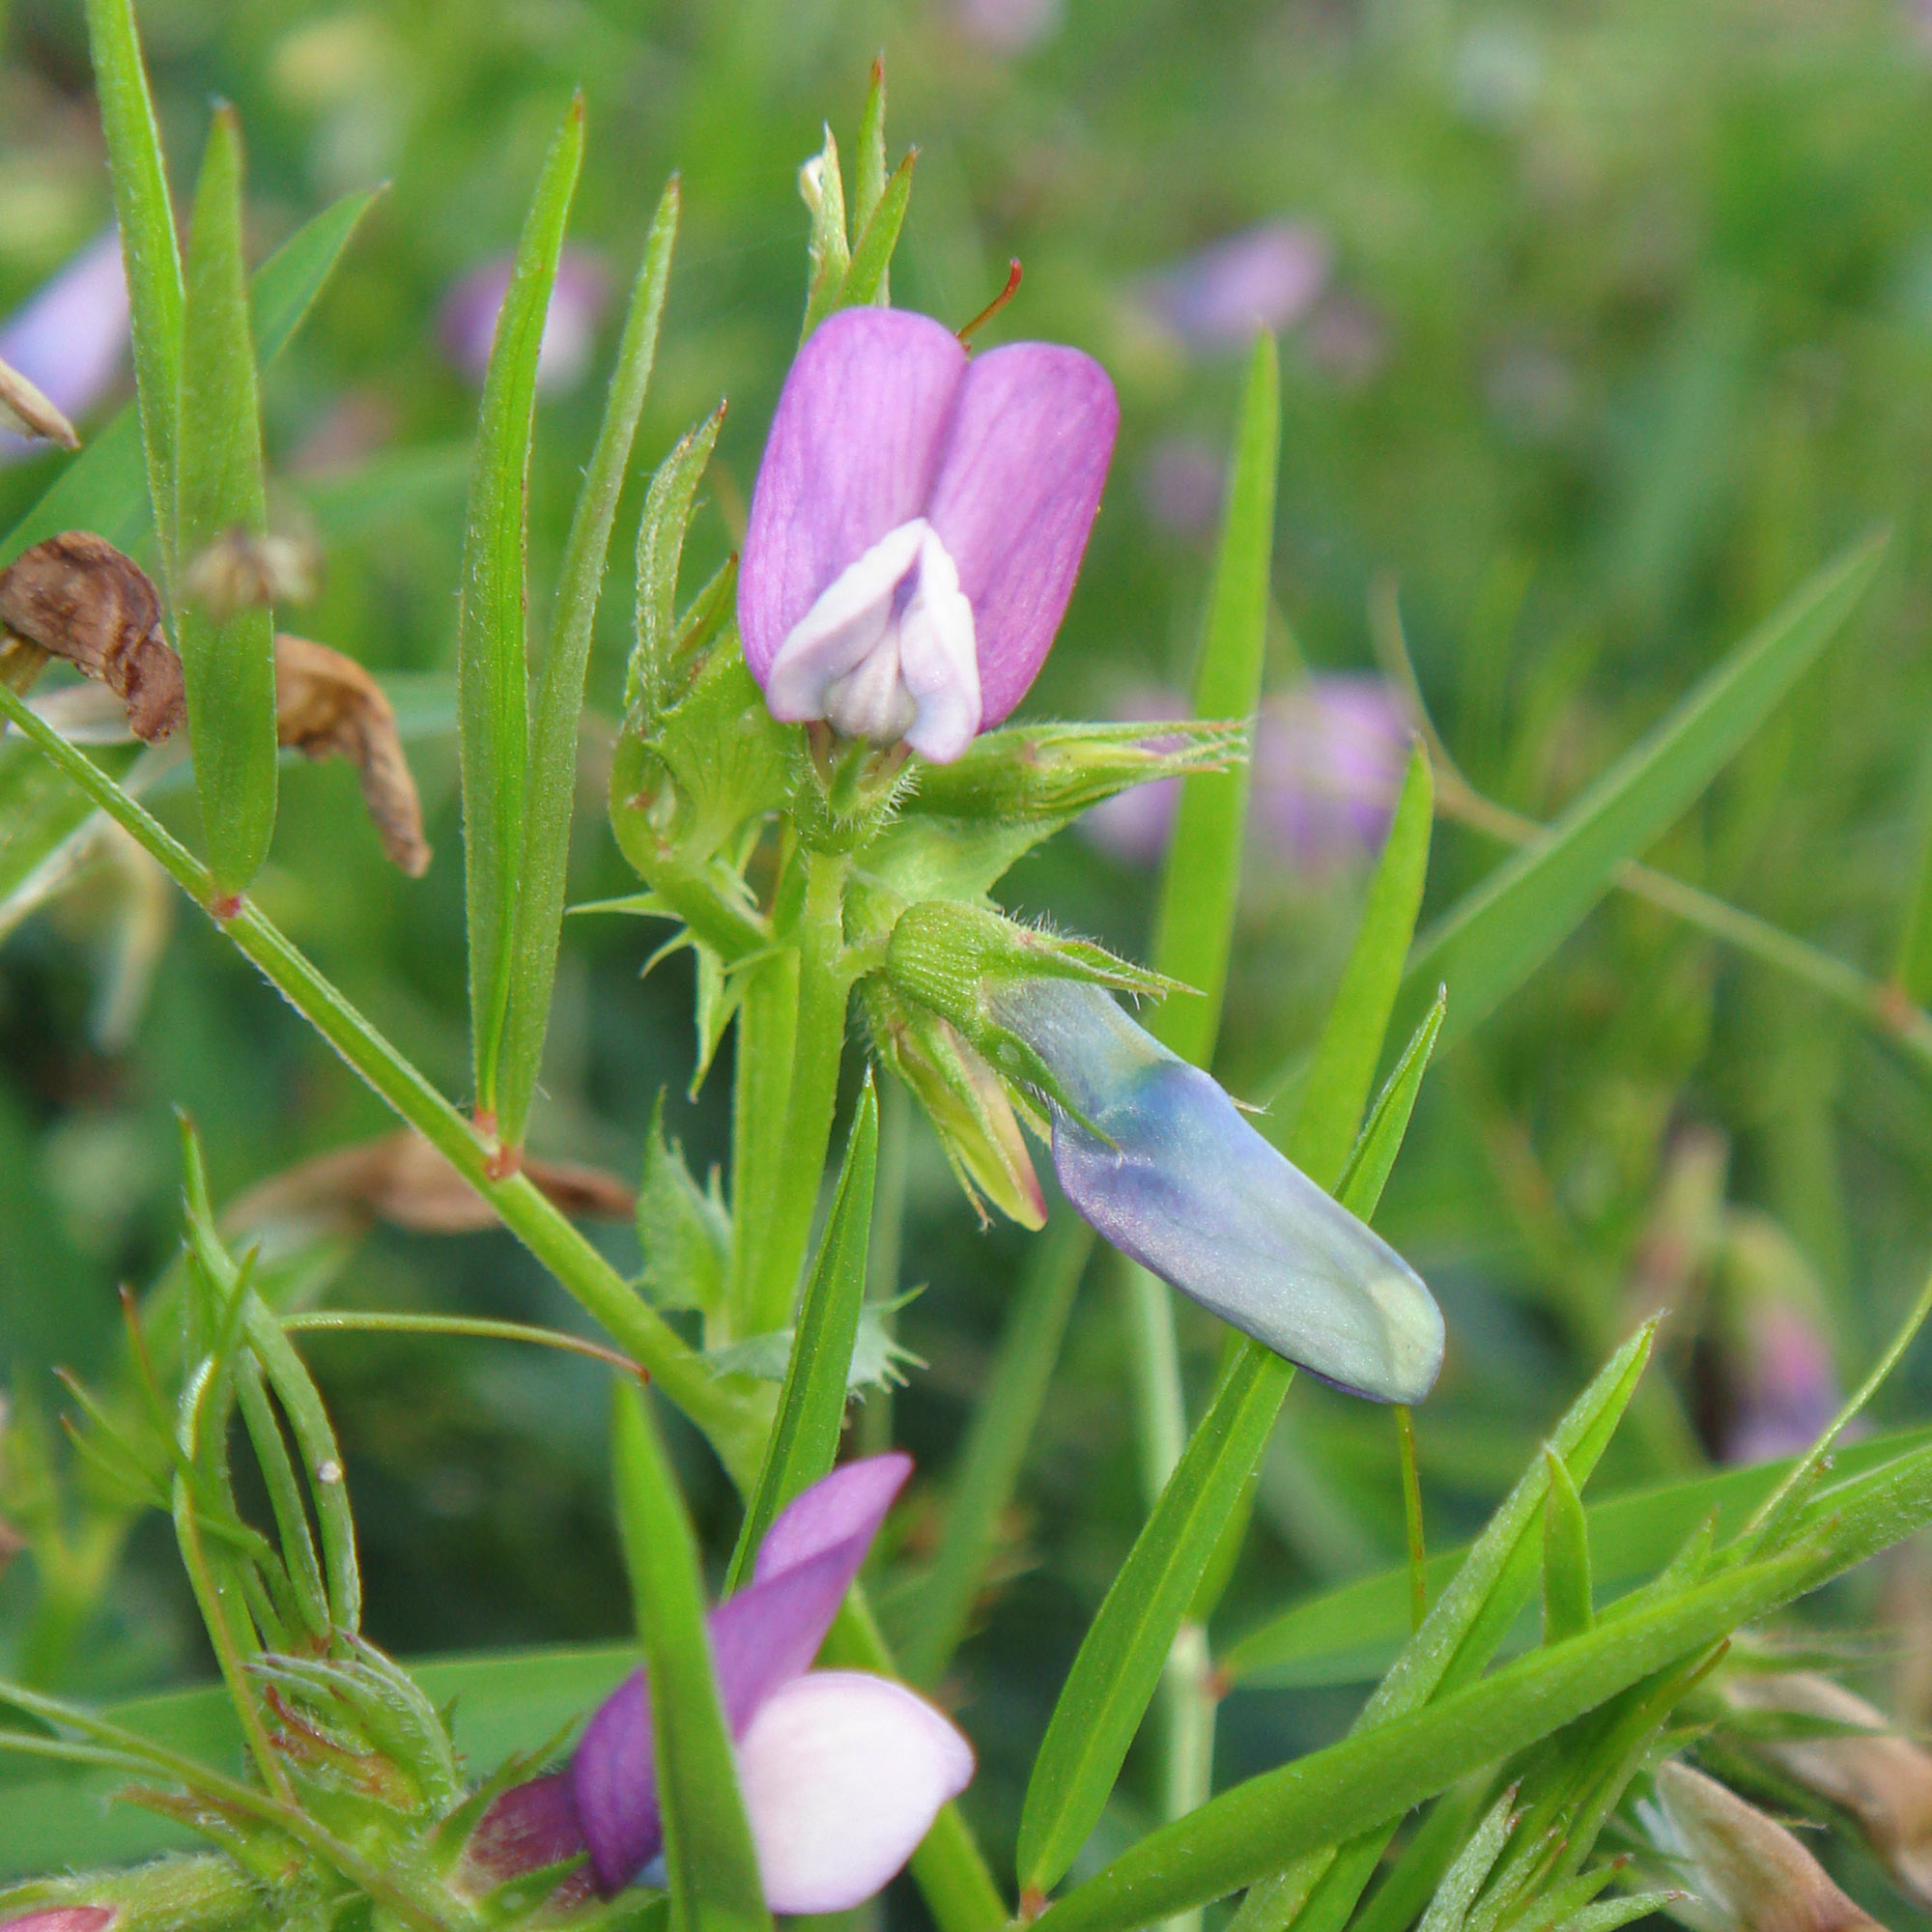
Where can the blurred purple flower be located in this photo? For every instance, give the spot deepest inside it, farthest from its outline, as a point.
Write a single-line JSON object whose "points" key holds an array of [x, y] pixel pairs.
{"points": [[64, 1918], [842, 1772], [1006, 26], [1180, 484], [1161, 1162], [917, 526], [1784, 1384], [1328, 761], [1346, 338], [467, 326], [1265, 277], [67, 338]]}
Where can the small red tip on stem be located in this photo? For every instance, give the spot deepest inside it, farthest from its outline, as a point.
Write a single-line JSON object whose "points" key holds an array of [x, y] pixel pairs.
{"points": [[993, 307], [1033, 1902], [224, 906], [503, 1161]]}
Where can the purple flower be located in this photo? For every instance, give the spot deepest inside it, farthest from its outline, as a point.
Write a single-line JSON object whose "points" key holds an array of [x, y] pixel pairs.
{"points": [[468, 324], [67, 338], [917, 526], [1328, 761], [1006, 26], [842, 1772], [1162, 1164], [1784, 1386], [1265, 277], [1182, 483], [64, 1918]]}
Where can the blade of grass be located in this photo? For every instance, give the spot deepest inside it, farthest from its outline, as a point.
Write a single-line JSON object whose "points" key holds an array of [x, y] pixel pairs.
{"points": [[228, 658], [149, 251], [491, 663], [708, 1853], [1511, 924], [553, 768], [1566, 1555], [812, 1407]]}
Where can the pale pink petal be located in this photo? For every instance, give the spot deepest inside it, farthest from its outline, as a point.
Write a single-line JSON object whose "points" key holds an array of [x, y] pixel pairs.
{"points": [[69, 339], [1014, 499], [852, 454], [843, 1774]]}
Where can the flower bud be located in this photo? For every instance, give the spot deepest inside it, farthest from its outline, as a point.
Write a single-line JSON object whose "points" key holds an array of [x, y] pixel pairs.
{"points": [[1750, 1872], [1156, 1156]]}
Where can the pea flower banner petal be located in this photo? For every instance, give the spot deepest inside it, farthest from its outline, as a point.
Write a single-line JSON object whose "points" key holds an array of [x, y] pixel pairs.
{"points": [[917, 526], [1166, 1168]]}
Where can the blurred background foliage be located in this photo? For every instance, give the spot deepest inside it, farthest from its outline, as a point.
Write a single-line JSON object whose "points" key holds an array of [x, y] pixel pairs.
{"points": [[1613, 321]]}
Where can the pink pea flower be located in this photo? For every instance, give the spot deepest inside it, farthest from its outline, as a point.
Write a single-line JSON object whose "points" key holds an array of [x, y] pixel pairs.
{"points": [[1269, 276], [917, 524], [1328, 761], [468, 324], [1783, 1385], [1006, 26], [64, 1918], [67, 338], [842, 1772]]}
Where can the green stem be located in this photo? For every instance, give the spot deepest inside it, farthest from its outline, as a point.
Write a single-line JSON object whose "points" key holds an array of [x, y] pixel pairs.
{"points": [[735, 1426], [1411, 1510], [882, 1269], [804, 1129]]}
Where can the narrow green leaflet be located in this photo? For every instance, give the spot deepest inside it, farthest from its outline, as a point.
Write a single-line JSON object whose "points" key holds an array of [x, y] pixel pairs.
{"points": [[713, 1869], [660, 532], [104, 488], [828, 252], [1194, 925], [1566, 1555], [553, 769], [811, 1407], [491, 665], [148, 246], [1370, 1779], [1453, 1897], [996, 1445], [869, 190], [227, 655], [1349, 1633], [872, 252], [1511, 924], [1344, 1069], [1120, 1660]]}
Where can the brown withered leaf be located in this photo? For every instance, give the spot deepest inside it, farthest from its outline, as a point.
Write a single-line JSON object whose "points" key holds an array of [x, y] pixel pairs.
{"points": [[27, 412], [328, 706], [240, 569], [78, 598], [403, 1180]]}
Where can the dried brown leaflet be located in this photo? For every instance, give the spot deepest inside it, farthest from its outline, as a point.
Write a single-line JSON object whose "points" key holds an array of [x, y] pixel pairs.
{"points": [[402, 1179], [77, 598], [328, 706]]}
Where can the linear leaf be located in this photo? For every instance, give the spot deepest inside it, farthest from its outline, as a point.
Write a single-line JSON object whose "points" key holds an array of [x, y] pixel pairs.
{"points": [[228, 657], [553, 768], [869, 188], [104, 488], [1566, 1555], [713, 1870], [660, 532], [812, 1407], [1121, 1659], [492, 671], [872, 252], [1350, 1047], [1512, 922], [1374, 1155], [1194, 925], [1347, 1634], [149, 251]]}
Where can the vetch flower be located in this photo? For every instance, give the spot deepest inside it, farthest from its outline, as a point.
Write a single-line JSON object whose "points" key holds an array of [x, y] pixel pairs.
{"points": [[468, 324], [64, 1918], [67, 338], [842, 1772], [1268, 276], [916, 527], [1161, 1162]]}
